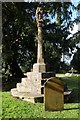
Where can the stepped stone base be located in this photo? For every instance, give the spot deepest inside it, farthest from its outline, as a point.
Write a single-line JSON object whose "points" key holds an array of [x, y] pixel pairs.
{"points": [[34, 98], [31, 87]]}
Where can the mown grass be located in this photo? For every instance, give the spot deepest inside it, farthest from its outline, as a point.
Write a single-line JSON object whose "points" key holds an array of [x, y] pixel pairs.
{"points": [[73, 81], [15, 108]]}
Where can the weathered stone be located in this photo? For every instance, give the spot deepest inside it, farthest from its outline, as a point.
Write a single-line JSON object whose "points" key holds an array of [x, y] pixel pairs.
{"points": [[22, 88], [54, 95], [39, 19], [39, 75], [39, 67], [33, 82], [31, 85], [27, 96], [24, 81]]}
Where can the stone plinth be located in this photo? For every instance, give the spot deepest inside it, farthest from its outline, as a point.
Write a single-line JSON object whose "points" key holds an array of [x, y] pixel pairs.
{"points": [[54, 95], [39, 67]]}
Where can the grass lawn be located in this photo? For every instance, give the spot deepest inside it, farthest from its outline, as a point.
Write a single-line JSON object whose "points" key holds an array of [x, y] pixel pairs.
{"points": [[15, 108]]}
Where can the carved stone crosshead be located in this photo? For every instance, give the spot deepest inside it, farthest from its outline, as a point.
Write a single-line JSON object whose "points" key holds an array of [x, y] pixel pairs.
{"points": [[39, 16]]}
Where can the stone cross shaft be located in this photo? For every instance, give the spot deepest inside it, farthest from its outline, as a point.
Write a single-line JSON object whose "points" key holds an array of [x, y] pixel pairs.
{"points": [[39, 19]]}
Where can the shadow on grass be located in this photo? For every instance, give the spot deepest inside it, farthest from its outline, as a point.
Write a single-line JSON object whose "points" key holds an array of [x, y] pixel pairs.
{"points": [[75, 97], [72, 108], [74, 84]]}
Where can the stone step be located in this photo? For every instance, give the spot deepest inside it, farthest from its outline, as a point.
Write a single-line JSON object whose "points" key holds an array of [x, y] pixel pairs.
{"points": [[27, 96], [39, 67], [24, 81], [40, 76], [28, 88], [22, 88], [36, 97]]}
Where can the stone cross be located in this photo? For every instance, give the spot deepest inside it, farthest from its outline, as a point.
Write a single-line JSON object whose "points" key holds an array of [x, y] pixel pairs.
{"points": [[39, 19]]}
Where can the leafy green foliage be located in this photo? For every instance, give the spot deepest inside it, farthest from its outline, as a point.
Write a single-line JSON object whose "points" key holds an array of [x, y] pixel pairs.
{"points": [[14, 108], [75, 41], [16, 33], [78, 6]]}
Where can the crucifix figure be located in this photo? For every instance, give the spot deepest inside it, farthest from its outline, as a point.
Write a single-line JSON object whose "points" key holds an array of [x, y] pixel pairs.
{"points": [[39, 19]]}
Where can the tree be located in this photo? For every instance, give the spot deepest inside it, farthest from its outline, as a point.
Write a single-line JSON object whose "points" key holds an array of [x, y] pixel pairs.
{"points": [[20, 31], [76, 60], [76, 43], [16, 33]]}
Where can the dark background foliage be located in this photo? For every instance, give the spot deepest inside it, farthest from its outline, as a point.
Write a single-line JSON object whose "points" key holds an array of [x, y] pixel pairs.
{"points": [[19, 44]]}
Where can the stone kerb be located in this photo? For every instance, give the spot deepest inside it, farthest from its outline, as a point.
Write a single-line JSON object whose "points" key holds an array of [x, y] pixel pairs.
{"points": [[54, 95]]}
